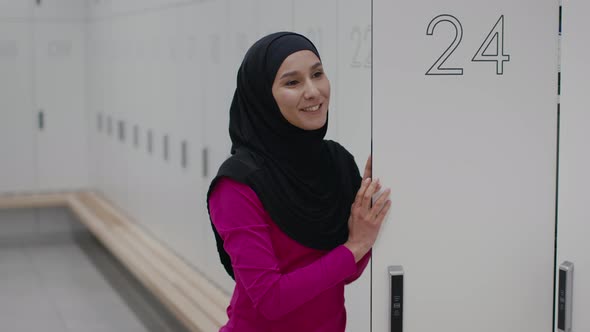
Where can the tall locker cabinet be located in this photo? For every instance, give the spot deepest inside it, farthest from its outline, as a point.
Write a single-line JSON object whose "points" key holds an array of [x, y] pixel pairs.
{"points": [[465, 134], [42, 108], [60, 93], [574, 162], [218, 86], [18, 123], [353, 117]]}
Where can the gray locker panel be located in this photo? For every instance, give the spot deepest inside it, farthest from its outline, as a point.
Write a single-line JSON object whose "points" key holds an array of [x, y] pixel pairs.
{"points": [[353, 115], [11, 9], [574, 158], [59, 9], [219, 73], [18, 116], [471, 159], [318, 21], [280, 20], [354, 78], [61, 94]]}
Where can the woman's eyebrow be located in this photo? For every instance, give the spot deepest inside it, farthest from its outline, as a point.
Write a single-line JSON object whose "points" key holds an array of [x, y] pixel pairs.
{"points": [[319, 64], [289, 73], [293, 72]]}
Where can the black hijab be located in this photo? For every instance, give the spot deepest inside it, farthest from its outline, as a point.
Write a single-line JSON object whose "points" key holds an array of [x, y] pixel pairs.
{"points": [[305, 183]]}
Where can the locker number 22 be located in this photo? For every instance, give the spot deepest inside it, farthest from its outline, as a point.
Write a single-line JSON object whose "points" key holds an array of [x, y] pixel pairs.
{"points": [[488, 51]]}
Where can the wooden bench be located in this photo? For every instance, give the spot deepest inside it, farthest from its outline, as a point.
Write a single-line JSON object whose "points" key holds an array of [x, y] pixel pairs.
{"points": [[198, 304]]}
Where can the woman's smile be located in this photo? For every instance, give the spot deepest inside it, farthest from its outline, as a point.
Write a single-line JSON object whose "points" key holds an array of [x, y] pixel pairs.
{"points": [[312, 109]]}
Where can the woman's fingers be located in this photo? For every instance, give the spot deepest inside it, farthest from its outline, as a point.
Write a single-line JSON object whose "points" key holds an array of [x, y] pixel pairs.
{"points": [[359, 194], [379, 204], [368, 195], [368, 167]]}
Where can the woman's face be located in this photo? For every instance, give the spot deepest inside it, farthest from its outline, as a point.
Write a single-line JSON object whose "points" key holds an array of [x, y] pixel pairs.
{"points": [[302, 90]]}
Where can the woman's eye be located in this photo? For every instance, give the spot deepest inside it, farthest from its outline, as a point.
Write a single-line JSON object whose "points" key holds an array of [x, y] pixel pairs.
{"points": [[291, 83], [318, 74]]}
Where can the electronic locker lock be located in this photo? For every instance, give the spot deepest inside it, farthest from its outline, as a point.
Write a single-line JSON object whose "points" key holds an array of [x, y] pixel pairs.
{"points": [[396, 284], [564, 309]]}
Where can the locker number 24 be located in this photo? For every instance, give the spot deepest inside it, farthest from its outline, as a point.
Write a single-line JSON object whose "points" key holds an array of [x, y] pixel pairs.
{"points": [[491, 50]]}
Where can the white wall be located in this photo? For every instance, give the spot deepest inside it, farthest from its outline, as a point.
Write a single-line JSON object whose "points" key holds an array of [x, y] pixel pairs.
{"points": [[170, 67], [574, 157]]}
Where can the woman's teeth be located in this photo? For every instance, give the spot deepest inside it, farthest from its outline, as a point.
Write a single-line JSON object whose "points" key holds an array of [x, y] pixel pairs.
{"points": [[311, 108]]}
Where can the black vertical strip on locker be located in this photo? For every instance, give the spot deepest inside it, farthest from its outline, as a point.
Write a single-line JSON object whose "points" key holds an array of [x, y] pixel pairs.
{"points": [[371, 152], [555, 243], [165, 143], [136, 136], [121, 130], [41, 120], [562, 296], [560, 13], [150, 141], [397, 300], [556, 211], [184, 154], [205, 162]]}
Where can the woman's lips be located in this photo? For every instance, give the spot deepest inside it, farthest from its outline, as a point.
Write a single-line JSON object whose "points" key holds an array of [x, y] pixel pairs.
{"points": [[312, 109]]}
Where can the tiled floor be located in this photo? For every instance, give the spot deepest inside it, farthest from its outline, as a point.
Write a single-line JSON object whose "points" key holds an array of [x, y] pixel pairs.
{"points": [[56, 277]]}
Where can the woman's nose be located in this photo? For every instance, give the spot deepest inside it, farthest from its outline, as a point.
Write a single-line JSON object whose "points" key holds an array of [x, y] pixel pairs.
{"points": [[311, 91]]}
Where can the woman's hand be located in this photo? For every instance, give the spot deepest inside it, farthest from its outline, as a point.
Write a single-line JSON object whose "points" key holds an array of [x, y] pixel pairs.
{"points": [[368, 168], [366, 218]]}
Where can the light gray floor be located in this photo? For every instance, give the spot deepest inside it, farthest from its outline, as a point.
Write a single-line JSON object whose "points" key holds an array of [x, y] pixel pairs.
{"points": [[55, 276]]}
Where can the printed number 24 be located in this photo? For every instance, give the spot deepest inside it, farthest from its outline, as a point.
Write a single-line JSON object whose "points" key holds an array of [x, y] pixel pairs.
{"points": [[496, 34]]}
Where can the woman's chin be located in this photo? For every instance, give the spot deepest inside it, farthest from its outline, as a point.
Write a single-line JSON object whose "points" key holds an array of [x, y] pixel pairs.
{"points": [[313, 125], [312, 121]]}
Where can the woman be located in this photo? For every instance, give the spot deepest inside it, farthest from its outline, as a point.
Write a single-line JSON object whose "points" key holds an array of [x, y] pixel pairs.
{"points": [[292, 220]]}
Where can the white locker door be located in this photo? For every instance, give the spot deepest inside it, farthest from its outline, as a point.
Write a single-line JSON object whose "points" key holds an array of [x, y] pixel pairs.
{"points": [[217, 87], [318, 21], [18, 122], [15, 10], [96, 120], [59, 9], [354, 78], [279, 17], [464, 132], [574, 159], [60, 95], [354, 123]]}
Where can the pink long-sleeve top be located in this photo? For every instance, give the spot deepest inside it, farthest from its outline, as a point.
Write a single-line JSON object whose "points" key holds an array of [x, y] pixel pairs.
{"points": [[281, 286]]}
